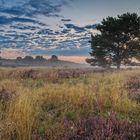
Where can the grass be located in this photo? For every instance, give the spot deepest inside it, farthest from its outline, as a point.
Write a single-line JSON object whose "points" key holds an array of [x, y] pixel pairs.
{"points": [[49, 103]]}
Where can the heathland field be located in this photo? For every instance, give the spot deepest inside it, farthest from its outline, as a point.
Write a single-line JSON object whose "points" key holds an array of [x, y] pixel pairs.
{"points": [[69, 104]]}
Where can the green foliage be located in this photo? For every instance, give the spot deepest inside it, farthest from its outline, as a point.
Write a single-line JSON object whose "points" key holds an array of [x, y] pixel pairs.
{"points": [[71, 115], [118, 42]]}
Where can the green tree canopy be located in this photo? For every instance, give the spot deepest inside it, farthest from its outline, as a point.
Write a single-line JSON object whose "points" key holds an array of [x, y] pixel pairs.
{"points": [[118, 42], [28, 58], [39, 58], [54, 58]]}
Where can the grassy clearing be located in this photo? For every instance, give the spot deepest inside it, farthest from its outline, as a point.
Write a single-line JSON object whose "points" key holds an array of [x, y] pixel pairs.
{"points": [[50, 103]]}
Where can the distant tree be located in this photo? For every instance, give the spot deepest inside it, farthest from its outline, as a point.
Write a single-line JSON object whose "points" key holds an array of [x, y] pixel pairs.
{"points": [[28, 58], [138, 57], [19, 59], [118, 42], [0, 59], [39, 58], [54, 58]]}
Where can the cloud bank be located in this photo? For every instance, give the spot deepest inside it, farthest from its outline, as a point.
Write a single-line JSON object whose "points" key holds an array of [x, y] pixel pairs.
{"points": [[27, 26]]}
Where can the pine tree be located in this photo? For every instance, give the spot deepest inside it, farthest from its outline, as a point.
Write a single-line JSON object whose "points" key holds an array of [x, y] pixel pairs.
{"points": [[118, 42]]}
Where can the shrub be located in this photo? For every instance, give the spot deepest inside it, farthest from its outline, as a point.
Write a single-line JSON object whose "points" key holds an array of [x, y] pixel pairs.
{"points": [[133, 87], [99, 128], [5, 95]]}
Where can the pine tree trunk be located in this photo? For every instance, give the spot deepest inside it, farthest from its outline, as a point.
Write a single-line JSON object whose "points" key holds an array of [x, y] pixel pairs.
{"points": [[118, 65]]}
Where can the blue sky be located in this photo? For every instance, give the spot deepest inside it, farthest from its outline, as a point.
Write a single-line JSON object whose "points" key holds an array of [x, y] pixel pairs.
{"points": [[89, 11], [61, 27]]}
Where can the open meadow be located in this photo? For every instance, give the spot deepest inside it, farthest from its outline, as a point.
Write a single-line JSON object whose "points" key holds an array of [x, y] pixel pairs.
{"points": [[69, 104]]}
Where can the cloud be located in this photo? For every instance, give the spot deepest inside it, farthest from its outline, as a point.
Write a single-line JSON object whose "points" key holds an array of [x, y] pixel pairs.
{"points": [[29, 37], [79, 59], [67, 51], [23, 28], [32, 8], [4, 20], [11, 53], [44, 7], [80, 29], [29, 10], [15, 10], [76, 28], [2, 2], [66, 20], [93, 26]]}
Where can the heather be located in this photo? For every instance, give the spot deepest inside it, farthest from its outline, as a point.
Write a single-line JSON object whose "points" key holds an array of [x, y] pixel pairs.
{"points": [[69, 104]]}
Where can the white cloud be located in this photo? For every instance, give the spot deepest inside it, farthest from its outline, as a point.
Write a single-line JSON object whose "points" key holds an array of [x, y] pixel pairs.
{"points": [[11, 53]]}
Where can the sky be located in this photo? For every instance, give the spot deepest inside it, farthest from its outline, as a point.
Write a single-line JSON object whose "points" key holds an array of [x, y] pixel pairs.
{"points": [[60, 27]]}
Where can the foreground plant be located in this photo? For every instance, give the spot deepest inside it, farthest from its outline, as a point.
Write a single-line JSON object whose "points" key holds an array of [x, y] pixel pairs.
{"points": [[99, 128]]}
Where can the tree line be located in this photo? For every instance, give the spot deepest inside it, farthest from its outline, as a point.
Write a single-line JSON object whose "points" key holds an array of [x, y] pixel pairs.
{"points": [[37, 58]]}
